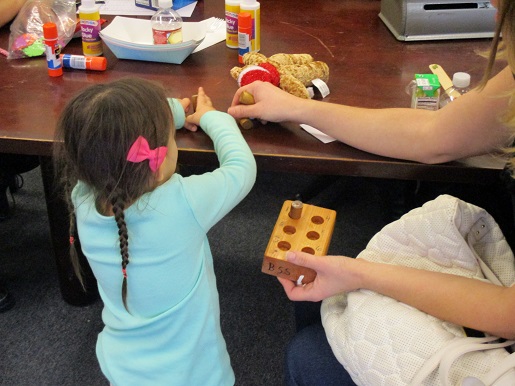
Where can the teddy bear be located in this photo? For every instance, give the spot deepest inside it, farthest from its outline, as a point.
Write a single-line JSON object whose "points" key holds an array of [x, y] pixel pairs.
{"points": [[291, 72]]}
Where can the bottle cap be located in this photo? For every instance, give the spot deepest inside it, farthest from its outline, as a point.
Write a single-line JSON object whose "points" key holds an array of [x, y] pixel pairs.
{"points": [[244, 20], [165, 3], [88, 6], [98, 63], [461, 79], [50, 31]]}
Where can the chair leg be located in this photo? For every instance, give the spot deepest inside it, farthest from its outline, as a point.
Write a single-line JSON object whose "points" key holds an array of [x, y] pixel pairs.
{"points": [[4, 202]]}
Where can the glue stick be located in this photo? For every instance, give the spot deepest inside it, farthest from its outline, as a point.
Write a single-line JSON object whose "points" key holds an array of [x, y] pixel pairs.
{"points": [[232, 9], [52, 50], [96, 63], [254, 8], [244, 34]]}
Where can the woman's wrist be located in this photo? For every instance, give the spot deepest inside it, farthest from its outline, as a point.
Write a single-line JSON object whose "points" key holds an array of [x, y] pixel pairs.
{"points": [[360, 272]]}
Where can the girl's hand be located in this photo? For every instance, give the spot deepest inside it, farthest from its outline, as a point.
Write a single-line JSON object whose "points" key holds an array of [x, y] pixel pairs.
{"points": [[187, 107], [335, 274], [204, 105], [186, 104]]}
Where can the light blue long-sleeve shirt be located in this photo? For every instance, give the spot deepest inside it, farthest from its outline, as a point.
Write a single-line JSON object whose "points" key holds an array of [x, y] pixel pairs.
{"points": [[172, 335]]}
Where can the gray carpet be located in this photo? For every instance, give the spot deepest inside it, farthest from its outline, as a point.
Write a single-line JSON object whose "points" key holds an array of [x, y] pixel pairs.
{"points": [[45, 341]]}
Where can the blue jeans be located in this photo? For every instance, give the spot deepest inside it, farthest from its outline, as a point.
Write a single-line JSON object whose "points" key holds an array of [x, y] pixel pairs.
{"points": [[311, 362]]}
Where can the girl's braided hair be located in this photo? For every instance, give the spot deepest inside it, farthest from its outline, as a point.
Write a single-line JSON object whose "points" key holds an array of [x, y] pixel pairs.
{"points": [[93, 136]]}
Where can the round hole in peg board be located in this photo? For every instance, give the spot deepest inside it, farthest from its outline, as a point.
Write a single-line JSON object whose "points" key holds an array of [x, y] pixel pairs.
{"points": [[312, 235], [309, 250], [284, 245], [317, 220], [289, 230]]}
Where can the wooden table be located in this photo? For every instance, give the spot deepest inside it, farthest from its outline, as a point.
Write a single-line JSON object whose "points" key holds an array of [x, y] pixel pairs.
{"points": [[368, 67]]}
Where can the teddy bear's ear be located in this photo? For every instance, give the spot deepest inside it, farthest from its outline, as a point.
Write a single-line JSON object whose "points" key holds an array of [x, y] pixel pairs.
{"points": [[249, 59], [235, 72], [293, 86]]}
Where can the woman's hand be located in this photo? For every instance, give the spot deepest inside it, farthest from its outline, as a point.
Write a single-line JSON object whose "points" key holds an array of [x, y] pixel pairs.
{"points": [[271, 103], [204, 105], [335, 274]]}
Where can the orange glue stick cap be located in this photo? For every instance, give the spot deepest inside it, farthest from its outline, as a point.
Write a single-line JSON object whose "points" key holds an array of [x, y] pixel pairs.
{"points": [[98, 63], [245, 21], [50, 31]]}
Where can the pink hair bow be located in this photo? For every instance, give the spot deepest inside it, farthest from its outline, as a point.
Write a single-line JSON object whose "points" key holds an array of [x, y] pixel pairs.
{"points": [[141, 151]]}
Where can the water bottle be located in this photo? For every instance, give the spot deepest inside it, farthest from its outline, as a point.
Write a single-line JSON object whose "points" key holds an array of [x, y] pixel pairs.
{"points": [[460, 86], [166, 24]]}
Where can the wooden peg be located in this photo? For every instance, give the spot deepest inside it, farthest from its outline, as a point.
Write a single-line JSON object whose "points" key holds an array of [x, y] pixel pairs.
{"points": [[246, 98], [194, 102], [310, 232], [246, 123], [296, 209]]}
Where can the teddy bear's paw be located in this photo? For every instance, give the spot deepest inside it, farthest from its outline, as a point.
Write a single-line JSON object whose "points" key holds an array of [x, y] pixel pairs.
{"points": [[285, 59], [293, 86]]}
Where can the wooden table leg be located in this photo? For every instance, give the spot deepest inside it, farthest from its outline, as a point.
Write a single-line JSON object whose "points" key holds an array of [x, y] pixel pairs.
{"points": [[71, 289]]}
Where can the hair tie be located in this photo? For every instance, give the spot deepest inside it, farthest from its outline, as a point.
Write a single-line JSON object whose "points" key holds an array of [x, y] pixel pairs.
{"points": [[72, 240], [124, 272], [141, 151]]}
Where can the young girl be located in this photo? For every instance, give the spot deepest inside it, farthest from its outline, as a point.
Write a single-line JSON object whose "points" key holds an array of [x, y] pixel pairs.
{"points": [[143, 228]]}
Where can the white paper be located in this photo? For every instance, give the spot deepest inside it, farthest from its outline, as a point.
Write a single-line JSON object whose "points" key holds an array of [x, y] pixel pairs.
{"points": [[321, 86], [317, 133], [128, 8], [212, 37]]}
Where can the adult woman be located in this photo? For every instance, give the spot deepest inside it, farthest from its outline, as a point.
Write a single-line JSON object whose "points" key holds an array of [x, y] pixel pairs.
{"points": [[481, 121]]}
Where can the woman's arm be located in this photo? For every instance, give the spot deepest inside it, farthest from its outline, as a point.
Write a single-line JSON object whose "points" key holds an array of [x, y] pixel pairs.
{"points": [[9, 9], [466, 127], [464, 301]]}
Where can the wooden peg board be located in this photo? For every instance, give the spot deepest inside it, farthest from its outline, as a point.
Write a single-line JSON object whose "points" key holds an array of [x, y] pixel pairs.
{"points": [[311, 233]]}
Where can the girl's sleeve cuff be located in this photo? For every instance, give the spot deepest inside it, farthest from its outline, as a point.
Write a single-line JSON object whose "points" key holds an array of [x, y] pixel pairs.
{"points": [[179, 116]]}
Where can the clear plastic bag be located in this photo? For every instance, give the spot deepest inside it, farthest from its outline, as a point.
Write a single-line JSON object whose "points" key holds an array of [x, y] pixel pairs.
{"points": [[26, 38]]}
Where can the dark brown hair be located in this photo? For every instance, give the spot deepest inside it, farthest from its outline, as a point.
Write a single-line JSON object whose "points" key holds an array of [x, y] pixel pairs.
{"points": [[93, 136]]}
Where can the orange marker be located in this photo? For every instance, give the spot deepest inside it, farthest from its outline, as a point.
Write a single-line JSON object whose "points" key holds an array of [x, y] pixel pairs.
{"points": [[96, 63], [52, 50]]}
